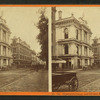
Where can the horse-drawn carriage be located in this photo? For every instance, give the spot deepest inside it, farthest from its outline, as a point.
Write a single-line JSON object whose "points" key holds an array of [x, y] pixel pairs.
{"points": [[65, 78]]}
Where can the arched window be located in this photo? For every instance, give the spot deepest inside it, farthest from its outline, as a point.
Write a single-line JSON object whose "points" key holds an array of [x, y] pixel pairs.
{"points": [[66, 33]]}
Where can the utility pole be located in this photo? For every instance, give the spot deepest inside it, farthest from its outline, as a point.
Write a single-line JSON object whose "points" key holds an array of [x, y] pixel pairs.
{"points": [[53, 32]]}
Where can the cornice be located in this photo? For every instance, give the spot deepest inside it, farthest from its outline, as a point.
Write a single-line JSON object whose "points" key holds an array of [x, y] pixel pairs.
{"points": [[1, 42], [64, 41], [70, 21], [5, 27]]}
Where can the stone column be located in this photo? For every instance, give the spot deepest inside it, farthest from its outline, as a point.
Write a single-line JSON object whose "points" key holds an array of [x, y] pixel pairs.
{"points": [[6, 61], [62, 49], [87, 37], [60, 65], [82, 35], [72, 48], [1, 35], [1, 63], [87, 51], [57, 50], [6, 51], [1, 50], [6, 37], [79, 50], [69, 48], [83, 62], [82, 50], [75, 49], [88, 61]]}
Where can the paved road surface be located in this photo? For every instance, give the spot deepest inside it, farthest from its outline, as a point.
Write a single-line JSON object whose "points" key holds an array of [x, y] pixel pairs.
{"points": [[89, 81], [24, 80]]}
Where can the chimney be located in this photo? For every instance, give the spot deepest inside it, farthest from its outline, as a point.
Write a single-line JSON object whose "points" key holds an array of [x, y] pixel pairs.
{"points": [[60, 14]]}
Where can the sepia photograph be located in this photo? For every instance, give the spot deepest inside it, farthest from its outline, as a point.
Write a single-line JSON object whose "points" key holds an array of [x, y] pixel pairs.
{"points": [[24, 49], [75, 49]]}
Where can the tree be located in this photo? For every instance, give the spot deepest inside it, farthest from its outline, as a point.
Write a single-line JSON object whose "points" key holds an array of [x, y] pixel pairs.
{"points": [[42, 37]]}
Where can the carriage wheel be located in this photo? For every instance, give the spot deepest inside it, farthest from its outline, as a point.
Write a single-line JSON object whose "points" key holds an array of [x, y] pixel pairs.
{"points": [[73, 85], [55, 88]]}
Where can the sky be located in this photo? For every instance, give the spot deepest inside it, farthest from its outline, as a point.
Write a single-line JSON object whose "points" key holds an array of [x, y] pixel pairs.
{"points": [[90, 14], [22, 23]]}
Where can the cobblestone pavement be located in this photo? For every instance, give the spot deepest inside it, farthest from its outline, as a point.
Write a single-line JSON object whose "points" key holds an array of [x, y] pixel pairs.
{"points": [[89, 81], [24, 80]]}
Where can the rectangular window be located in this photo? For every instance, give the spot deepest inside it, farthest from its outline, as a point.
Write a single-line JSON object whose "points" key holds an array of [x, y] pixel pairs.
{"points": [[66, 33], [85, 51], [95, 50], [4, 50], [78, 50], [86, 61], [4, 36], [77, 34], [4, 62], [85, 36], [66, 49]]}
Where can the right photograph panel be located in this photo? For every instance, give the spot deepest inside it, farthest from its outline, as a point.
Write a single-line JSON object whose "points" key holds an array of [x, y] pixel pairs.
{"points": [[75, 49]]}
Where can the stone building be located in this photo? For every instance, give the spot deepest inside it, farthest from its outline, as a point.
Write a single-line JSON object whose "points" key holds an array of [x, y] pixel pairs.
{"points": [[5, 48], [96, 50], [34, 57], [21, 53], [73, 42]]}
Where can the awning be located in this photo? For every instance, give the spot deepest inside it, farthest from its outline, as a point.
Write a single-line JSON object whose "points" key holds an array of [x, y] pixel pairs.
{"points": [[58, 61]]}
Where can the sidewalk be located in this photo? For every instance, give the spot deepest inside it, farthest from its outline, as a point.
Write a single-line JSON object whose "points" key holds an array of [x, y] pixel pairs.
{"points": [[70, 70]]}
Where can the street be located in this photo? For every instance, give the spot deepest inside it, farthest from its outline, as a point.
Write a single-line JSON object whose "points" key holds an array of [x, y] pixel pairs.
{"points": [[89, 81], [23, 80]]}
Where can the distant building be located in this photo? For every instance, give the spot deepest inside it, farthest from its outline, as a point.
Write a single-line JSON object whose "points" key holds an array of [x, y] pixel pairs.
{"points": [[34, 58], [38, 60], [21, 53], [5, 48], [96, 50], [72, 42]]}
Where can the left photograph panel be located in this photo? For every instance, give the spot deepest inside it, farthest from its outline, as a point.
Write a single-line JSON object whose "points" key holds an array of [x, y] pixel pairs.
{"points": [[24, 49]]}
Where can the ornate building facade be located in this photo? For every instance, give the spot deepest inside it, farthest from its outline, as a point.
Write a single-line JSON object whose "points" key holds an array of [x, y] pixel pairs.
{"points": [[21, 53], [96, 50], [5, 48], [73, 42]]}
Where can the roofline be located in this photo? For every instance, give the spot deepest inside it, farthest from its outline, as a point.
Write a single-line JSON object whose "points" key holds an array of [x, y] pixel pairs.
{"points": [[72, 18]]}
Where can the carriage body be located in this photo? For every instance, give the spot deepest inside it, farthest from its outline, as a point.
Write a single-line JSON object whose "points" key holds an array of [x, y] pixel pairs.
{"points": [[65, 78]]}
